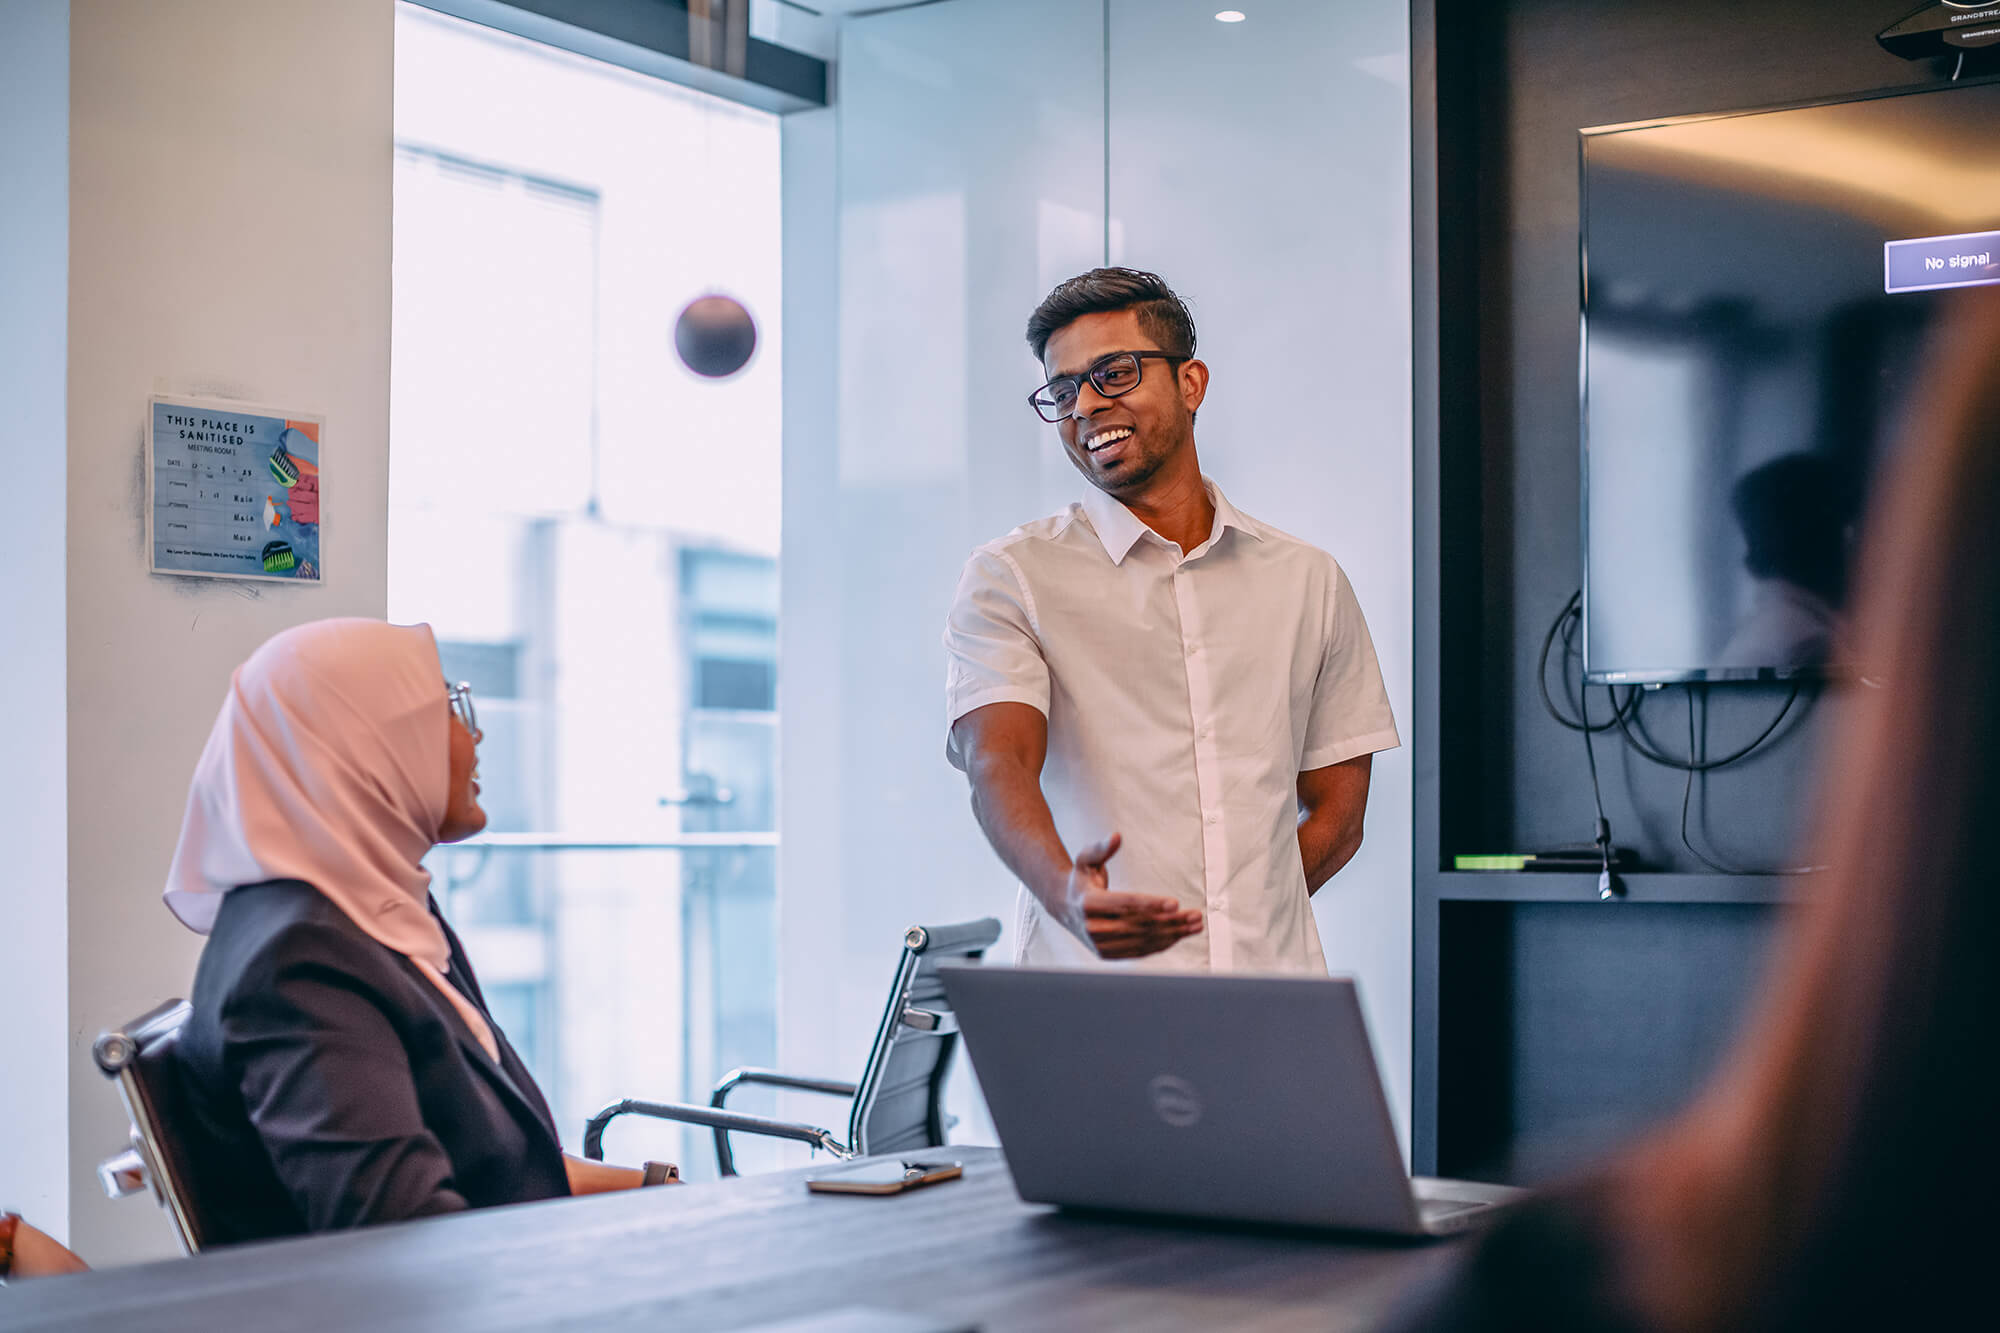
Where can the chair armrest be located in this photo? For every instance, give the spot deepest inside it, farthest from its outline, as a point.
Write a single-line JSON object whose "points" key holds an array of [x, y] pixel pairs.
{"points": [[772, 1078], [725, 1156], [960, 939], [737, 1121], [116, 1049]]}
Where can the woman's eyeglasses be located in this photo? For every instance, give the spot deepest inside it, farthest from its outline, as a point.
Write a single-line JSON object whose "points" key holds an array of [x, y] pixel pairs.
{"points": [[461, 703], [1113, 375]]}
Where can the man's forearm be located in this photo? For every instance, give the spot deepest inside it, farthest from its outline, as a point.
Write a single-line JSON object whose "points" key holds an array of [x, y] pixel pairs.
{"points": [[1007, 800], [1328, 840], [1333, 800]]}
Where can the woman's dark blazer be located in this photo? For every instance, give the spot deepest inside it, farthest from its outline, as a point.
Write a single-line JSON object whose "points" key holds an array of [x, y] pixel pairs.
{"points": [[328, 1083]]}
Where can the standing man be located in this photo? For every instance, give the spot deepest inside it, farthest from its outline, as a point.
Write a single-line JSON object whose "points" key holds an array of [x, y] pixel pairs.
{"points": [[1154, 676]]}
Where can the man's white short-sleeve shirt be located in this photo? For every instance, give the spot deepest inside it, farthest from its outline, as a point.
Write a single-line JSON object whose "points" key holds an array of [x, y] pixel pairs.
{"points": [[1184, 693]]}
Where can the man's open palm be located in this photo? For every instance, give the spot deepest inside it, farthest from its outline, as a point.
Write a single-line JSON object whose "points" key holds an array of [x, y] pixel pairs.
{"points": [[1123, 925]]}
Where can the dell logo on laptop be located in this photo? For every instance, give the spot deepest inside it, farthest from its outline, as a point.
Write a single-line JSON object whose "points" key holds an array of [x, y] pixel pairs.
{"points": [[1175, 1101]]}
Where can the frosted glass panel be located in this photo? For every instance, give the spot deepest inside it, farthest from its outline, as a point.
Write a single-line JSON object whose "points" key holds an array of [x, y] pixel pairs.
{"points": [[969, 180], [1262, 168]]}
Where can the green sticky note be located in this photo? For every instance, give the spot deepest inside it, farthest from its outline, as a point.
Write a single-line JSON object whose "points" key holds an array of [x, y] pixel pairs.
{"points": [[1492, 861]]}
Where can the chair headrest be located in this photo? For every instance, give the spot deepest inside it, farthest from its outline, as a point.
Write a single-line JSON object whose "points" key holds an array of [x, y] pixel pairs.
{"points": [[116, 1049], [956, 940]]}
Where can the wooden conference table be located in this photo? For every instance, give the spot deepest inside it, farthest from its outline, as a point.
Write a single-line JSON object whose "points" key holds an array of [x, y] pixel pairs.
{"points": [[748, 1253]]}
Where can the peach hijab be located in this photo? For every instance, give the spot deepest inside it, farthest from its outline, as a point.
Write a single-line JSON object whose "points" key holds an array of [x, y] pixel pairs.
{"points": [[329, 763]]}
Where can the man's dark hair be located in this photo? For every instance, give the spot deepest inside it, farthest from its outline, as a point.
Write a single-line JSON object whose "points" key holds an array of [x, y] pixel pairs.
{"points": [[1162, 315]]}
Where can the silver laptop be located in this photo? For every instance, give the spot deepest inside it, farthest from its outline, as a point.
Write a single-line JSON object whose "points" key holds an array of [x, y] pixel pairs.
{"points": [[1251, 1099]]}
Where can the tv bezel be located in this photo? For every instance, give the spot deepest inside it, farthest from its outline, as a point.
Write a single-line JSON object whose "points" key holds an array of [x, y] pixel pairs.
{"points": [[1680, 675]]}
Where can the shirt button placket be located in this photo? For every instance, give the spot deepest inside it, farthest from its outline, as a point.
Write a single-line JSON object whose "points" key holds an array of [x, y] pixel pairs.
{"points": [[1208, 777]]}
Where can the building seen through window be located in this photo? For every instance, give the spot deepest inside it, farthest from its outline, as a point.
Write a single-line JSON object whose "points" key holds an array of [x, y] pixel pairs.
{"points": [[592, 532]]}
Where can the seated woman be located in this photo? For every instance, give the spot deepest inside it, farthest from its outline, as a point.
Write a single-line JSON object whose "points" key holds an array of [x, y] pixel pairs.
{"points": [[340, 1063], [1836, 1174]]}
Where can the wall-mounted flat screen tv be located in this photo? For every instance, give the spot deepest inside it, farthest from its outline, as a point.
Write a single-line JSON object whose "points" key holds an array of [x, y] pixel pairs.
{"points": [[1758, 292]]}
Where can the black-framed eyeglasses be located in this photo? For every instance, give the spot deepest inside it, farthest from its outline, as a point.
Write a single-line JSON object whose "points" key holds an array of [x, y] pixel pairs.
{"points": [[461, 703], [1113, 375]]}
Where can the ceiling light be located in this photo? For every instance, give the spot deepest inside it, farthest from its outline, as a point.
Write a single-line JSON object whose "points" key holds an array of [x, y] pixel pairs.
{"points": [[1231, 16]]}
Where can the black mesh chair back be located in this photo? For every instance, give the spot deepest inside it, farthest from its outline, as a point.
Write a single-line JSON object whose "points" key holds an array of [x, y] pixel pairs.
{"points": [[141, 1058], [899, 1103]]}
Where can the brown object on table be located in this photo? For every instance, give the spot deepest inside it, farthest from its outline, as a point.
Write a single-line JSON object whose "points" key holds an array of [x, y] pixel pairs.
{"points": [[9, 1224], [28, 1253]]}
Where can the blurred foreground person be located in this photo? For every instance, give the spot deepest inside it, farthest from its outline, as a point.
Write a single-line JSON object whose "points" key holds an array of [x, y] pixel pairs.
{"points": [[341, 1065], [1836, 1173]]}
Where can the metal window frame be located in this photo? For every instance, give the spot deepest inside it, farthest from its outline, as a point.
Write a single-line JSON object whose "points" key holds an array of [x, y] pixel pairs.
{"points": [[657, 38]]}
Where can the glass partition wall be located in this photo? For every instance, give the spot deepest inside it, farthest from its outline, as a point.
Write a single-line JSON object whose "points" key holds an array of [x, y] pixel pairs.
{"points": [[983, 151]]}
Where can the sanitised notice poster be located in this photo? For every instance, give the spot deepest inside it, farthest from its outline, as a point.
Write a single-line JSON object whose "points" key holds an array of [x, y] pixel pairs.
{"points": [[233, 490]]}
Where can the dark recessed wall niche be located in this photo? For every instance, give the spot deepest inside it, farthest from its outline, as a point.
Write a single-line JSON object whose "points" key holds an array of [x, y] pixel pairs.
{"points": [[1522, 982]]}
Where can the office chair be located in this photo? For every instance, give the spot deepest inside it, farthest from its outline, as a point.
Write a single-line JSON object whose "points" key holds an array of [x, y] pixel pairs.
{"points": [[139, 1057], [898, 1103]]}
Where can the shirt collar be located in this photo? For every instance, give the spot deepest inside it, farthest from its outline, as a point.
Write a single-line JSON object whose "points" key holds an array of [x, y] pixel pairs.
{"points": [[1120, 529]]}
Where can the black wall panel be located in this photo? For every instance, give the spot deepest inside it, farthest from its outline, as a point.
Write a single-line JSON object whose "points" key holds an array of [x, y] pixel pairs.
{"points": [[1534, 73], [1500, 89], [1565, 1025]]}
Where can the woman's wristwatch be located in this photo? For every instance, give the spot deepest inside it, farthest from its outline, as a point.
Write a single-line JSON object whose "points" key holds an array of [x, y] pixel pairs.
{"points": [[10, 1222], [661, 1173]]}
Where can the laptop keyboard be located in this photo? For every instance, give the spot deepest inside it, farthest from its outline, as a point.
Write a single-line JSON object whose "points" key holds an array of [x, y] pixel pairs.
{"points": [[1430, 1210]]}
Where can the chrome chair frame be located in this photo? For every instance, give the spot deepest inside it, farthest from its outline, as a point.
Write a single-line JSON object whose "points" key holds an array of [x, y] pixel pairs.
{"points": [[149, 1161], [901, 1020]]}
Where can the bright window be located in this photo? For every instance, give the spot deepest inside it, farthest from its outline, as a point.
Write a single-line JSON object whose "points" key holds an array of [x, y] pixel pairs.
{"points": [[592, 531]]}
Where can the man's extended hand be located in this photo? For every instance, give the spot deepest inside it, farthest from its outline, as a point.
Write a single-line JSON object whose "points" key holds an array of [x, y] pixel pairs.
{"points": [[1004, 745], [1122, 925]]}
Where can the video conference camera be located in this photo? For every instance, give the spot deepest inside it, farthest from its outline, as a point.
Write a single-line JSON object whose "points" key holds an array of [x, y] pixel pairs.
{"points": [[1942, 28]]}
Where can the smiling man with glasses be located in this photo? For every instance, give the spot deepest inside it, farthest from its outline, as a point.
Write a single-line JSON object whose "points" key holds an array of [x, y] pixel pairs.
{"points": [[1153, 671]]}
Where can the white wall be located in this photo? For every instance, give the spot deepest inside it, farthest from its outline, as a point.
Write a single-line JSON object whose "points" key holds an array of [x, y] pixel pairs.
{"points": [[230, 234], [1263, 169], [34, 308]]}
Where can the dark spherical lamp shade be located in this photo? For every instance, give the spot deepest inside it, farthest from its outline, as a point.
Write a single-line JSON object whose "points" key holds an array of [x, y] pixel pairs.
{"points": [[715, 336]]}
